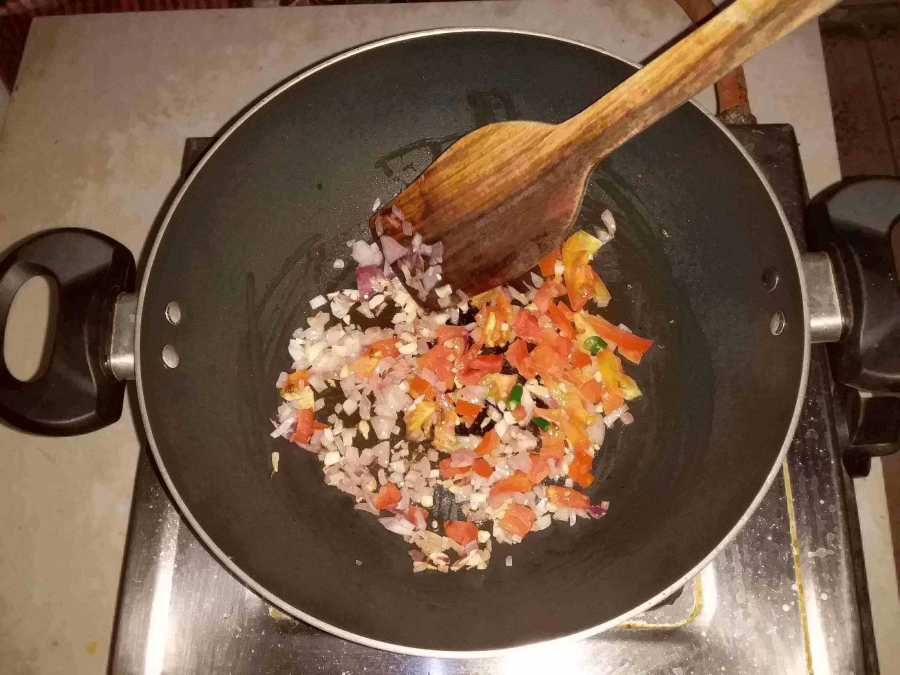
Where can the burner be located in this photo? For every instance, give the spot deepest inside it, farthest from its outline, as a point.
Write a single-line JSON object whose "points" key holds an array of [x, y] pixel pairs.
{"points": [[788, 595]]}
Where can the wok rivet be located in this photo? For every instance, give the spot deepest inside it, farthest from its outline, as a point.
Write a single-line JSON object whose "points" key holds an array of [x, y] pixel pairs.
{"points": [[776, 325], [770, 279], [170, 356], [173, 313]]}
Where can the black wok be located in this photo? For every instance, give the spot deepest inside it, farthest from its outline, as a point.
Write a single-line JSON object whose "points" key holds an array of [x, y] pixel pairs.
{"points": [[250, 239]]}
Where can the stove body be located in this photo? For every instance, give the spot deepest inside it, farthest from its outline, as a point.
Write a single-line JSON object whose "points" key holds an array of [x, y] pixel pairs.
{"points": [[787, 596]]}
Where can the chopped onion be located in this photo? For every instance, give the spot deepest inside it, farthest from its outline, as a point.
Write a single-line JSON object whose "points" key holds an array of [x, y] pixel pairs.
{"points": [[366, 254], [610, 419], [366, 278], [392, 250]]}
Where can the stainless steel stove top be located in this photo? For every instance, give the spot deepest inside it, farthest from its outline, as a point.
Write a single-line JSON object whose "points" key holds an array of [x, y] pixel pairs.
{"points": [[782, 598]]}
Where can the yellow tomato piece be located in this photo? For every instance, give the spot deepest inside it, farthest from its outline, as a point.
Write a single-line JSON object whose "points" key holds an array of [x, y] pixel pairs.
{"points": [[579, 249]]}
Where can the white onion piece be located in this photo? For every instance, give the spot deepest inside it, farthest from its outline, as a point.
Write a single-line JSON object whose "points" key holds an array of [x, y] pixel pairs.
{"points": [[366, 254], [610, 419], [596, 432], [610, 221], [382, 426]]}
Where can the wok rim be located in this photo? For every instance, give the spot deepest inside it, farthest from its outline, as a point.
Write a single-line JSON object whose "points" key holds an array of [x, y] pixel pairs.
{"points": [[223, 558]]}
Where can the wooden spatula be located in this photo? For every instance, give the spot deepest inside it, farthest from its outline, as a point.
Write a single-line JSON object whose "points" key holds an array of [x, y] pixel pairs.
{"points": [[504, 196]]}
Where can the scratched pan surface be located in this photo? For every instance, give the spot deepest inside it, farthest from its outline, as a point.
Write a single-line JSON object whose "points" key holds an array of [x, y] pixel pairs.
{"points": [[252, 238]]}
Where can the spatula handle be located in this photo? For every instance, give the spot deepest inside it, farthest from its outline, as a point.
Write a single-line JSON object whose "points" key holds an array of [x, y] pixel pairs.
{"points": [[691, 65]]}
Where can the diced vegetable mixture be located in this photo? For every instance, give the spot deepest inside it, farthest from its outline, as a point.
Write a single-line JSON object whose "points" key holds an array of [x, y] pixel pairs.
{"points": [[476, 424]]}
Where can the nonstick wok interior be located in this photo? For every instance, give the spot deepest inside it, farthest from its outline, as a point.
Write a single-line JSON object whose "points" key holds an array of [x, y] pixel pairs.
{"points": [[252, 239]]}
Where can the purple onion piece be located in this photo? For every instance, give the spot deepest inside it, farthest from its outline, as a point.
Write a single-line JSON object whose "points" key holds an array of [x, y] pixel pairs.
{"points": [[392, 250], [429, 281], [366, 276], [437, 252], [596, 511]]}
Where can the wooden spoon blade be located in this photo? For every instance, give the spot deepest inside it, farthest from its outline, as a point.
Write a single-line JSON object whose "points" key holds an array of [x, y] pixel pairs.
{"points": [[497, 201]]}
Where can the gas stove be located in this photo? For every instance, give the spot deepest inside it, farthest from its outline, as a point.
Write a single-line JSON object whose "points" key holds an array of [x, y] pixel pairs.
{"points": [[787, 596]]}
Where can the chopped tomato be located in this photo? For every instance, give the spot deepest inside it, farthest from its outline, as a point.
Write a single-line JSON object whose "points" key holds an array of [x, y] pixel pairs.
{"points": [[580, 358], [553, 445], [563, 346], [518, 358], [567, 497], [465, 361], [495, 320], [526, 326], [387, 497], [489, 443], [548, 264], [482, 299], [558, 317], [631, 346], [499, 385], [295, 382], [615, 379], [547, 292], [518, 520], [548, 361], [540, 468], [420, 387], [419, 419], [519, 414], [489, 363], [468, 411], [449, 471], [455, 338], [609, 401], [579, 249], [445, 431], [580, 468], [518, 482], [437, 360], [568, 398], [571, 431], [592, 391], [576, 376], [482, 468], [364, 366], [413, 512], [304, 430], [460, 531], [583, 284], [383, 348], [471, 377]]}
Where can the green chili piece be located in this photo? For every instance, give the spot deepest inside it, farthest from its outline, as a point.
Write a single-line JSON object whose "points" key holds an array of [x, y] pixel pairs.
{"points": [[543, 424], [594, 344], [515, 397]]}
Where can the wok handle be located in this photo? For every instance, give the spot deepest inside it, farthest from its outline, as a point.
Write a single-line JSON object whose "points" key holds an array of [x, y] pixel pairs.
{"points": [[856, 224], [78, 392]]}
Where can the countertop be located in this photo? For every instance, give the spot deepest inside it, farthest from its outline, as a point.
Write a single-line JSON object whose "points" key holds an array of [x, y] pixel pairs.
{"points": [[93, 138]]}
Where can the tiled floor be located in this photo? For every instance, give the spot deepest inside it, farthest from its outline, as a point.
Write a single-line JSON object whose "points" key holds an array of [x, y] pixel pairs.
{"points": [[861, 42]]}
